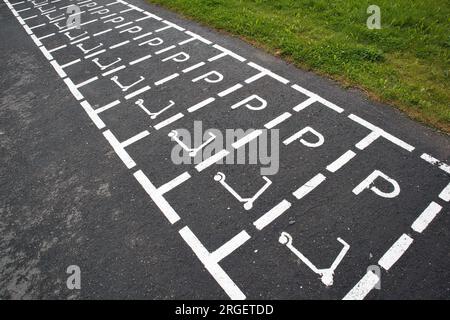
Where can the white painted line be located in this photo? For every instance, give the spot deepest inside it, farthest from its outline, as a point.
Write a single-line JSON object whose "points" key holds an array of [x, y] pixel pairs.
{"points": [[211, 160], [86, 82], [123, 25], [37, 41], [137, 92], [167, 79], [281, 118], [102, 32], [120, 151], [269, 73], [112, 3], [157, 198], [309, 186], [201, 105], [46, 36], [165, 50], [341, 161], [58, 69], [108, 16], [217, 57], [195, 66], [435, 162], [445, 194], [135, 139], [169, 121], [368, 140], [304, 91], [57, 48], [31, 17], [126, 10], [363, 287], [426, 217], [213, 268], [80, 40], [45, 52], [87, 22], [243, 141], [228, 248], [196, 36], [140, 59], [92, 114], [395, 252], [230, 90], [93, 9], [119, 44], [230, 53], [70, 63], [37, 26], [76, 93], [108, 106], [173, 25], [304, 104], [143, 35], [23, 10], [95, 54], [272, 214], [113, 71], [174, 183], [147, 17], [383, 133], [15, 4]]}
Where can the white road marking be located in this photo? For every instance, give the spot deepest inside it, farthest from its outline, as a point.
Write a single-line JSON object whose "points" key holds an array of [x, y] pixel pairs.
{"points": [[58, 69], [201, 105], [269, 73], [445, 194], [140, 59], [167, 79], [395, 252], [108, 106], [243, 141], [165, 50], [143, 35], [196, 36], [92, 114], [281, 118], [118, 148], [95, 54], [230, 53], [137, 92], [212, 266], [174, 183], [102, 32], [80, 40], [368, 140], [211, 160], [31, 17], [304, 104], [272, 214], [436, 162], [309, 186], [341, 161], [86, 82], [76, 93], [196, 66], [363, 287], [318, 98], [230, 90], [426, 217], [226, 249], [135, 139], [37, 26], [119, 44], [57, 48], [46, 36], [166, 122], [107, 73], [70, 63]]}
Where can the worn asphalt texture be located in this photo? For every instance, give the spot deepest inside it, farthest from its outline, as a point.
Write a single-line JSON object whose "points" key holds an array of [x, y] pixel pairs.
{"points": [[66, 198]]}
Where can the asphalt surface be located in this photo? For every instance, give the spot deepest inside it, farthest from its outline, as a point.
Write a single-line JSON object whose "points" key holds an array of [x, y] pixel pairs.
{"points": [[76, 191]]}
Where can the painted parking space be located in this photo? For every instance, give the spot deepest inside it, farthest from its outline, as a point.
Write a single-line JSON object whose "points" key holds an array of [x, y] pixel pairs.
{"points": [[126, 85]]}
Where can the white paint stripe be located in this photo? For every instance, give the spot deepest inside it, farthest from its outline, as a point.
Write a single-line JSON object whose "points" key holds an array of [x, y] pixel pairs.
{"points": [[112, 3], [108, 106], [126, 10], [37, 26], [31, 17], [113, 71], [445, 194], [135, 139], [196, 36], [57, 48], [108, 16], [230, 53], [211, 160], [309, 186], [82, 84], [140, 59], [195, 66], [120, 151], [157, 198], [228, 248], [426, 217], [272, 214], [230, 90], [167, 79], [174, 183], [92, 114], [305, 104], [383, 133], [70, 63], [363, 287], [80, 40], [46, 36], [95, 54], [162, 29], [76, 93], [243, 141], [23, 10], [149, 15], [143, 35], [15, 4], [93, 9], [58, 69], [330, 105], [304, 91], [217, 57], [165, 50], [119, 44], [435, 162], [173, 25], [137, 92], [46, 53], [281, 118], [124, 25], [395, 252], [169, 121], [341, 161], [38, 42], [368, 140], [213, 268], [269, 73], [102, 32], [27, 30], [201, 104], [255, 77]]}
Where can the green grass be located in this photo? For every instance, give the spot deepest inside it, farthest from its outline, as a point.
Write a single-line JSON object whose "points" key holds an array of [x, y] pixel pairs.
{"points": [[406, 63]]}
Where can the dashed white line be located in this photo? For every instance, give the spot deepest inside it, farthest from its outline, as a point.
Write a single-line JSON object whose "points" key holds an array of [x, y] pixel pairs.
{"points": [[140, 59], [211, 160], [281, 118], [174, 183], [341, 161], [395, 252], [243, 141], [363, 287], [166, 122], [200, 105], [426, 217], [309, 186], [137, 92], [272, 214], [445, 194]]}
